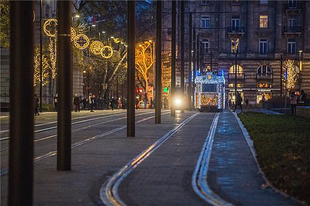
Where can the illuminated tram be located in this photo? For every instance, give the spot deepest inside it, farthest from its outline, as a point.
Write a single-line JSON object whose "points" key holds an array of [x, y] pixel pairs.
{"points": [[210, 92]]}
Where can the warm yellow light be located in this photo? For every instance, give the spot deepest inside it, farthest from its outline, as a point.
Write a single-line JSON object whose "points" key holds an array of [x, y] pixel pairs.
{"points": [[107, 52], [140, 45], [84, 72], [112, 37], [150, 41], [93, 25], [77, 16], [178, 102]]}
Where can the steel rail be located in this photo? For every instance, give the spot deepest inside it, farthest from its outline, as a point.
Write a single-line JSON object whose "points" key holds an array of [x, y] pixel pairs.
{"points": [[109, 190], [82, 128], [83, 142], [199, 178], [73, 123]]}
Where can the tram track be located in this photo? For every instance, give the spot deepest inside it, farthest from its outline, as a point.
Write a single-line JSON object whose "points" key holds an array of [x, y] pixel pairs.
{"points": [[4, 171], [109, 190], [199, 178], [85, 127], [73, 123]]}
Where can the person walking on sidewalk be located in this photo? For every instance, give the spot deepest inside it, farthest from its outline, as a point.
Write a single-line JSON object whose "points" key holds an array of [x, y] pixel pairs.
{"points": [[293, 99], [36, 105], [238, 102], [76, 102], [90, 102]]}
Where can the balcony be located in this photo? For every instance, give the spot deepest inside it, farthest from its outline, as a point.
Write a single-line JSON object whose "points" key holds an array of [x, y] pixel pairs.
{"points": [[292, 30], [293, 7], [264, 76], [236, 31], [240, 76]]}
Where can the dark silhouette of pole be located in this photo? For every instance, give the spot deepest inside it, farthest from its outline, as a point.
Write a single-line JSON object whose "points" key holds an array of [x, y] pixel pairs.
{"points": [[64, 54], [41, 64], [194, 67], [158, 63], [198, 53], [190, 62], [173, 54], [182, 50], [281, 76], [211, 64], [236, 67], [131, 28], [21, 103]]}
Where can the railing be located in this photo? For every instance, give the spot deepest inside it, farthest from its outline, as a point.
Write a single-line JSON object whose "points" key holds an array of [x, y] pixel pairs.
{"points": [[235, 30], [292, 29], [264, 76], [240, 76]]}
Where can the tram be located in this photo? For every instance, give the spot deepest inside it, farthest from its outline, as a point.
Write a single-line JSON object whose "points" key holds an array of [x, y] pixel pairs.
{"points": [[210, 92]]}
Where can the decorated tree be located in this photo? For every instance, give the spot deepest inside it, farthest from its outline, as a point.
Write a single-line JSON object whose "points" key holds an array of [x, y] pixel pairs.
{"points": [[144, 63], [292, 74]]}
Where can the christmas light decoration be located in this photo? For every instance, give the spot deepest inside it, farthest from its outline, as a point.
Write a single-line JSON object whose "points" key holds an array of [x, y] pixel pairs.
{"points": [[81, 41], [96, 47], [49, 27], [107, 52], [292, 74]]}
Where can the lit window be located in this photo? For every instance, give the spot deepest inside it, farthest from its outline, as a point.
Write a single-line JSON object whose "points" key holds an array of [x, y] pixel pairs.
{"points": [[263, 46], [206, 45], [205, 22], [232, 69], [291, 46], [263, 21]]}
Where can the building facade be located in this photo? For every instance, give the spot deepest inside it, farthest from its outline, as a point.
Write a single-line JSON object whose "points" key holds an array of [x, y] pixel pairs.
{"points": [[264, 30]]}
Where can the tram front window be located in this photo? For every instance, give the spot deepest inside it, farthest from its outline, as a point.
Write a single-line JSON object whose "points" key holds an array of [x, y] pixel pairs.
{"points": [[209, 88]]}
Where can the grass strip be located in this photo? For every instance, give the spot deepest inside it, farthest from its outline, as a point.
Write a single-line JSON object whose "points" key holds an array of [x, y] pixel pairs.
{"points": [[282, 144]]}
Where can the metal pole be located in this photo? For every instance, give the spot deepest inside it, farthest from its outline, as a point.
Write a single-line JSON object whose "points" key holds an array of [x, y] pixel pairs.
{"points": [[194, 67], [198, 53], [64, 53], [236, 67], [211, 62], [21, 103], [281, 76], [190, 62], [131, 27], [173, 53], [117, 87], [41, 64], [158, 63], [182, 49]]}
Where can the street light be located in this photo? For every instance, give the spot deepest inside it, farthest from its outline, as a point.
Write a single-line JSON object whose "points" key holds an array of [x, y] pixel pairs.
{"points": [[300, 68], [235, 45]]}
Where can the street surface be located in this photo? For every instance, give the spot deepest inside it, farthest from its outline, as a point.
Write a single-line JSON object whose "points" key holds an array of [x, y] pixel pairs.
{"points": [[154, 168]]}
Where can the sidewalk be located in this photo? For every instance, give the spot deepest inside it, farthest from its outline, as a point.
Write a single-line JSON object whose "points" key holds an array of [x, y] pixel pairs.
{"points": [[233, 173]]}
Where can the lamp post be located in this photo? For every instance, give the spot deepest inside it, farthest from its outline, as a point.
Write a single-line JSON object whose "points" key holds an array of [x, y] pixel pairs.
{"points": [[300, 68], [235, 50], [41, 64]]}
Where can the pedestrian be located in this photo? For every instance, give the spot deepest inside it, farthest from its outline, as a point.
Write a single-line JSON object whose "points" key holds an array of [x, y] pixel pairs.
{"points": [[76, 102], [293, 100], [90, 102], [56, 103], [112, 102], [36, 105], [302, 98], [238, 102]]}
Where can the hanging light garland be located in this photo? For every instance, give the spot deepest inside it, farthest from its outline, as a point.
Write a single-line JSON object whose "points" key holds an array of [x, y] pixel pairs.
{"points": [[107, 52], [96, 47], [81, 41]]}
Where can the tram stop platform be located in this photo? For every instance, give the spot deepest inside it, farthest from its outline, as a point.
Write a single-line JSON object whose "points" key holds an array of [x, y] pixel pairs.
{"points": [[163, 177]]}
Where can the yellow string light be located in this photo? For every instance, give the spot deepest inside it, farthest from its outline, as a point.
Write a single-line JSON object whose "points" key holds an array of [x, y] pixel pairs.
{"points": [[107, 52], [73, 34], [96, 47], [48, 24], [81, 41]]}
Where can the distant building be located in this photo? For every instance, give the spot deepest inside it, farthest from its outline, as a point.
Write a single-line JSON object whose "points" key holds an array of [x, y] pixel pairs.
{"points": [[265, 29]]}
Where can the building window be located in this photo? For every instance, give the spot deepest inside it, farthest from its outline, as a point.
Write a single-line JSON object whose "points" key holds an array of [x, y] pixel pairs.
{"points": [[206, 2], [263, 46], [235, 23], [263, 1], [206, 45], [263, 21], [292, 3], [205, 22], [264, 69], [292, 22], [291, 46]]}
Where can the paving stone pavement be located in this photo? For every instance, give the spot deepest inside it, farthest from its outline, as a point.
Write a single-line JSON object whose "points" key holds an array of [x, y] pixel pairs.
{"points": [[164, 178], [233, 173]]}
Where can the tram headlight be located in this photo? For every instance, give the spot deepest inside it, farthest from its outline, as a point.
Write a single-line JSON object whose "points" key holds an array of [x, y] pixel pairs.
{"points": [[178, 102]]}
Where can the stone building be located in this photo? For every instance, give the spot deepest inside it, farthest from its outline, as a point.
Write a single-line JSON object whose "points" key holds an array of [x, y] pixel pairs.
{"points": [[265, 29]]}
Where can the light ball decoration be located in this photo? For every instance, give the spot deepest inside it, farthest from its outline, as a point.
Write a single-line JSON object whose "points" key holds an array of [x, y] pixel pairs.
{"points": [[107, 52], [48, 27], [73, 34], [81, 41], [96, 47]]}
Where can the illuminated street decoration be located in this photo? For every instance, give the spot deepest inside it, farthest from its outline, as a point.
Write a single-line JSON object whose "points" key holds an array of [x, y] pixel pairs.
{"points": [[73, 34], [49, 27], [81, 41], [96, 47], [292, 74], [53, 54], [107, 52]]}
